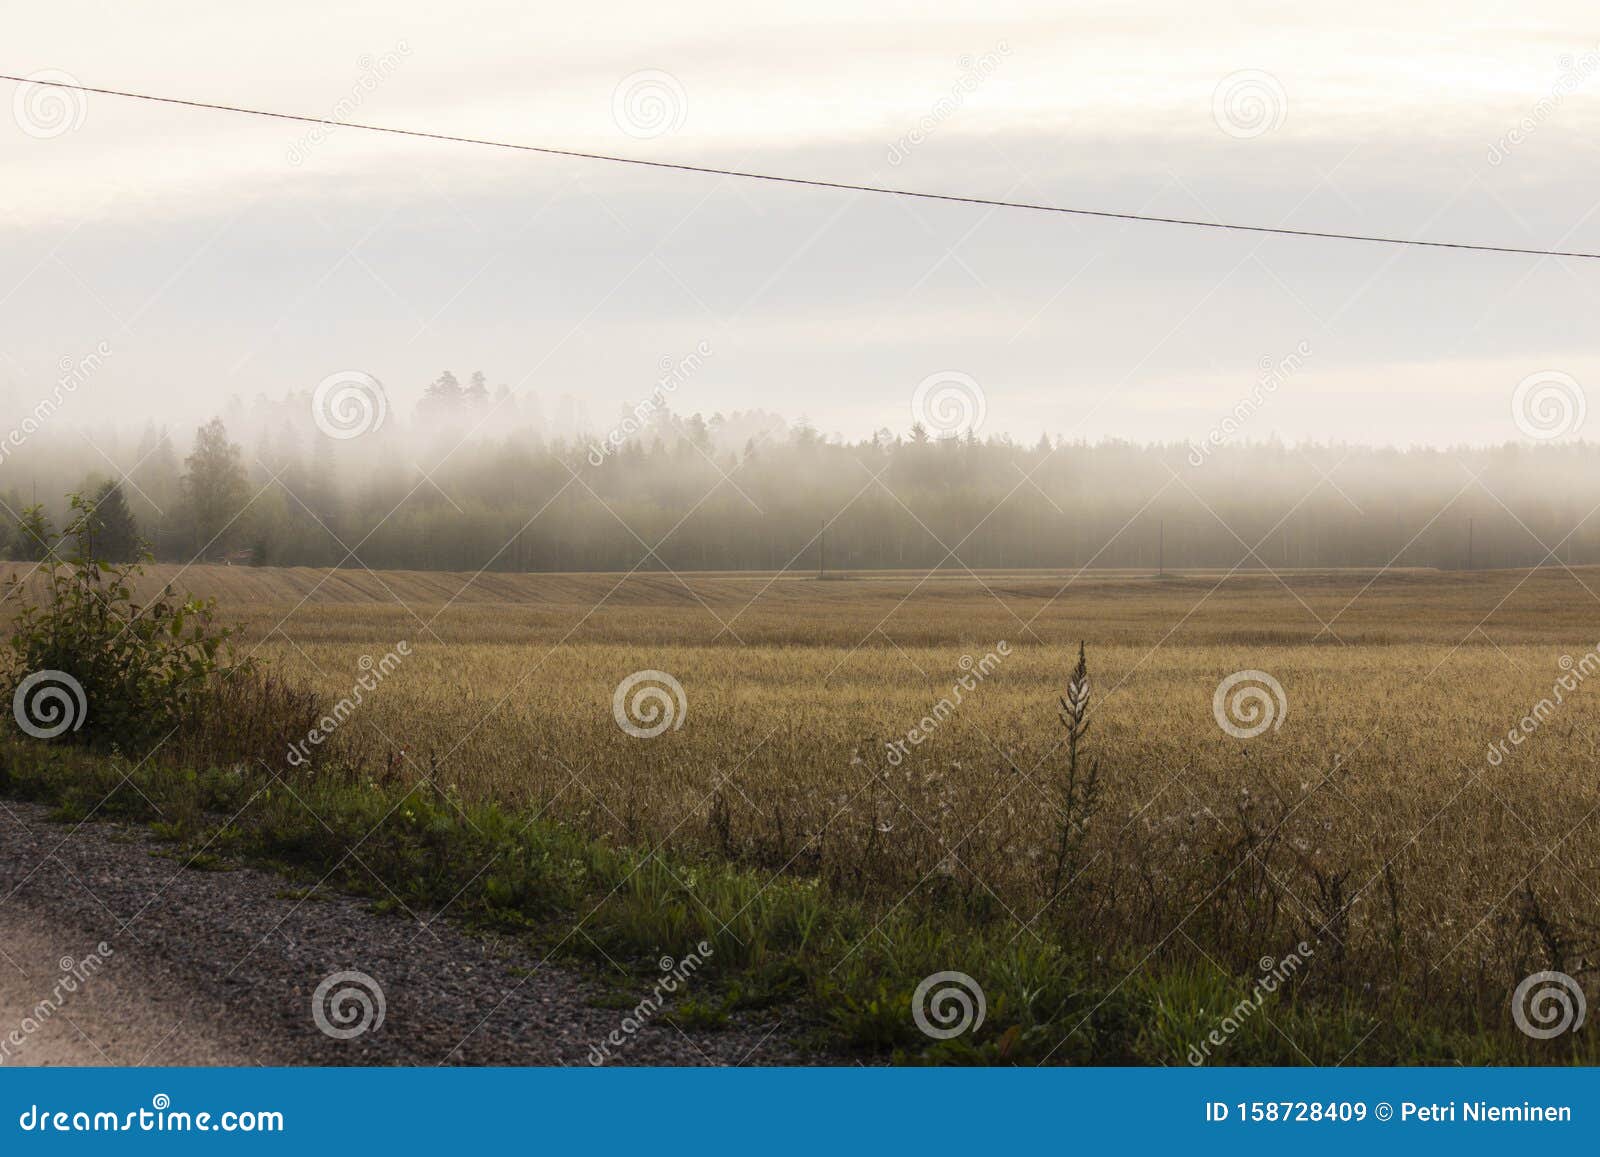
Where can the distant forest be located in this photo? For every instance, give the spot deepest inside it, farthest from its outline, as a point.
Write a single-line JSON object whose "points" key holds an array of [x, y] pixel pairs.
{"points": [[476, 481]]}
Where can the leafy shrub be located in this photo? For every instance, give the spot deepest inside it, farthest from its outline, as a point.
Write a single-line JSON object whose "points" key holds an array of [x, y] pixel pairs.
{"points": [[87, 663]]}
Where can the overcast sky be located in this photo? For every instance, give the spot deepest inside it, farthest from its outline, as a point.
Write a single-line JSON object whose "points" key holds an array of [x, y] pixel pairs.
{"points": [[218, 254]]}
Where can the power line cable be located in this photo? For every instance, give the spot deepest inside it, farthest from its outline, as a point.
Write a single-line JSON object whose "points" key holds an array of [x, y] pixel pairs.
{"points": [[747, 175]]}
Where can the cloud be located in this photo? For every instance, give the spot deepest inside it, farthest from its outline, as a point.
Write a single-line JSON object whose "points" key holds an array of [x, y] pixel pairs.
{"points": [[229, 255]]}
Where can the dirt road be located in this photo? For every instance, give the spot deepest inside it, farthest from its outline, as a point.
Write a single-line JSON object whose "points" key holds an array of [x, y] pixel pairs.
{"points": [[113, 952]]}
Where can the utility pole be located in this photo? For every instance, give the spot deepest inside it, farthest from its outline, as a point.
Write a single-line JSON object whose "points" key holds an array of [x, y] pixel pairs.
{"points": [[1161, 548], [822, 550], [1469, 544]]}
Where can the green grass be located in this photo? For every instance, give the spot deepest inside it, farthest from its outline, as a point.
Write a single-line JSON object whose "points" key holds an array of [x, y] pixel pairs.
{"points": [[839, 970]]}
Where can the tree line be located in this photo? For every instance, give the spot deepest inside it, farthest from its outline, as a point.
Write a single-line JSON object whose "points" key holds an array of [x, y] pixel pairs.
{"points": [[748, 491]]}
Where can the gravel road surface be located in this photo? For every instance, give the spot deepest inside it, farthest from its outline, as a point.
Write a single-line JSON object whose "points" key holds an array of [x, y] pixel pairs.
{"points": [[221, 967]]}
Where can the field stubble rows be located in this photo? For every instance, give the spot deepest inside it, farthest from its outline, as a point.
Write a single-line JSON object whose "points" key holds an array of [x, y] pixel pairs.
{"points": [[1369, 820]]}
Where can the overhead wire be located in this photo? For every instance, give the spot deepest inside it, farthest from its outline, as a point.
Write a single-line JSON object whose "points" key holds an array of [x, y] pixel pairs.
{"points": [[813, 182]]}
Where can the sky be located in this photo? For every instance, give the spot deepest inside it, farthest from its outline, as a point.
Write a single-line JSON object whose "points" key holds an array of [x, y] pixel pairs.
{"points": [[208, 254]]}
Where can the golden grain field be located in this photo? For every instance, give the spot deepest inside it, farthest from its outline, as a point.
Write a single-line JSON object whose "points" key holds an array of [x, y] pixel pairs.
{"points": [[1371, 814]]}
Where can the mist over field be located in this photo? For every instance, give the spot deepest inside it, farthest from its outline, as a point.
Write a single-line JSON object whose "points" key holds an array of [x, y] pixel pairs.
{"points": [[483, 478]]}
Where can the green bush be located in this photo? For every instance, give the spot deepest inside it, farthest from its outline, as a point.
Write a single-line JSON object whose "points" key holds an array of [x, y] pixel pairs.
{"points": [[86, 663]]}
